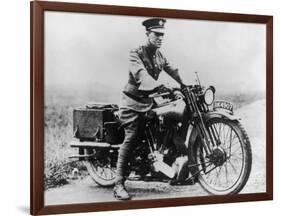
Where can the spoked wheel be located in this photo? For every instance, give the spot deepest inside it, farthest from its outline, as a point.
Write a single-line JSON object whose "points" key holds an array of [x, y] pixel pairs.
{"points": [[227, 169], [101, 170]]}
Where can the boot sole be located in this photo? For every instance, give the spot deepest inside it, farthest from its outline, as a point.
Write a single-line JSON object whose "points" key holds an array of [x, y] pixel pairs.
{"points": [[121, 198]]}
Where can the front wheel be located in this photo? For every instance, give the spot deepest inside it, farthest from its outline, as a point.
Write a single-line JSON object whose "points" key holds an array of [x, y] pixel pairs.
{"points": [[227, 169]]}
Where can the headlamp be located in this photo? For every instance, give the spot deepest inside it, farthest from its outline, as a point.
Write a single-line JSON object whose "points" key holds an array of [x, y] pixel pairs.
{"points": [[209, 95]]}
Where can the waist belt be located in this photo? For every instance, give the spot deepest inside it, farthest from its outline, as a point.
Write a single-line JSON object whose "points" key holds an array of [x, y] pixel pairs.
{"points": [[132, 91]]}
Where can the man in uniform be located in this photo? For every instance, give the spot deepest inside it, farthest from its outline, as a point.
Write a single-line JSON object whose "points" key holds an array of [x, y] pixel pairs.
{"points": [[145, 64]]}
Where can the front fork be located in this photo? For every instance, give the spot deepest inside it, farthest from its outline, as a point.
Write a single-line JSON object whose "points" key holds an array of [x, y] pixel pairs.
{"points": [[205, 137], [198, 120], [203, 132]]}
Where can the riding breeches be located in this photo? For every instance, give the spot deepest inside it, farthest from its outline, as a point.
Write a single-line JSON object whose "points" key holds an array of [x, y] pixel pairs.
{"points": [[132, 131]]}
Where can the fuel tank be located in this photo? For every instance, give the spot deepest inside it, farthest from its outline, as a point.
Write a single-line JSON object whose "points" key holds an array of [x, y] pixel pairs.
{"points": [[172, 111]]}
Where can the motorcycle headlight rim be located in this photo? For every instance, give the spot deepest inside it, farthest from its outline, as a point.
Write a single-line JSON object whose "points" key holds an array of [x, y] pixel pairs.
{"points": [[209, 96]]}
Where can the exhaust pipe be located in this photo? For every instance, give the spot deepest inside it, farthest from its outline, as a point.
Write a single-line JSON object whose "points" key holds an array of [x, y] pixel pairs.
{"points": [[92, 144]]}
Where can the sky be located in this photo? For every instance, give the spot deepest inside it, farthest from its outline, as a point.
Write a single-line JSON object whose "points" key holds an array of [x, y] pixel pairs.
{"points": [[82, 50]]}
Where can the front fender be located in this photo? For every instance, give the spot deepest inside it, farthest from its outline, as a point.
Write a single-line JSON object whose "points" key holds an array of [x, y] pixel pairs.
{"points": [[219, 114]]}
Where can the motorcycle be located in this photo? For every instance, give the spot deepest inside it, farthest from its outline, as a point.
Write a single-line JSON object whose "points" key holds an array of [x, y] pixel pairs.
{"points": [[189, 137]]}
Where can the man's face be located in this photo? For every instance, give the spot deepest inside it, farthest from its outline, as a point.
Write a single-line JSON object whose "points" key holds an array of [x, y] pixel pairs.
{"points": [[155, 38]]}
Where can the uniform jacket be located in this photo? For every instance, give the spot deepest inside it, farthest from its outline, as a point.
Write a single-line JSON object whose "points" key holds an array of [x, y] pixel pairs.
{"points": [[145, 66]]}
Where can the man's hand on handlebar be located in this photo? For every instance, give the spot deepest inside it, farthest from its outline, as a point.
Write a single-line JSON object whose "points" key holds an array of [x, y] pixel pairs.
{"points": [[183, 86], [163, 89]]}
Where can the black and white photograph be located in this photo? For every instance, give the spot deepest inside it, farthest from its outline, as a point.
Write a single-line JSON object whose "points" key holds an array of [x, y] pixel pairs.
{"points": [[145, 108]]}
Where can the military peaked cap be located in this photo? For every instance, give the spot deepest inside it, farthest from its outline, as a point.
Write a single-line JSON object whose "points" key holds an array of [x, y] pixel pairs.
{"points": [[154, 24]]}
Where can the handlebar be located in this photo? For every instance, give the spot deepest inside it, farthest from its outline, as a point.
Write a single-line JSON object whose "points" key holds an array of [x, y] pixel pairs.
{"points": [[190, 87], [155, 95]]}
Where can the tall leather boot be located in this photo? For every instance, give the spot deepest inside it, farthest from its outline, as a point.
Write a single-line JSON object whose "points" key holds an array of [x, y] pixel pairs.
{"points": [[120, 192]]}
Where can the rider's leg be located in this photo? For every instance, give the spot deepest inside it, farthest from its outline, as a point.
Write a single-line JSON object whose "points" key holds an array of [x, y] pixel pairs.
{"points": [[131, 136]]}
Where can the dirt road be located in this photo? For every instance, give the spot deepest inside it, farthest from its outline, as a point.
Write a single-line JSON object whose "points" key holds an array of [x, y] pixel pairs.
{"points": [[86, 191]]}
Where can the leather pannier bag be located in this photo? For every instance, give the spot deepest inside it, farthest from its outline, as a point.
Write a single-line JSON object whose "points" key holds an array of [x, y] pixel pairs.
{"points": [[97, 122]]}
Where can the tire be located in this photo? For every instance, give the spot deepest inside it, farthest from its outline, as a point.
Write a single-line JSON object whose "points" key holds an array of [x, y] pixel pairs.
{"points": [[101, 171], [224, 159]]}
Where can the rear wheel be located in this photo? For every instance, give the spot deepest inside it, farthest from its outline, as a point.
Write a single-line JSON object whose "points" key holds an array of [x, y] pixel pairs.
{"points": [[101, 168], [227, 169]]}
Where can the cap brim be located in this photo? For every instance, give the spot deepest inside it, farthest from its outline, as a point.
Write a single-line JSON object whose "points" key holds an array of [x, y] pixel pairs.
{"points": [[158, 30]]}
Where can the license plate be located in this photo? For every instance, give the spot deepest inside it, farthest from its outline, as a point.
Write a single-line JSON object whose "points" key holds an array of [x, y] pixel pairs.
{"points": [[223, 105]]}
